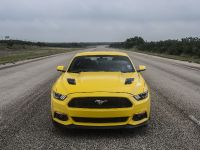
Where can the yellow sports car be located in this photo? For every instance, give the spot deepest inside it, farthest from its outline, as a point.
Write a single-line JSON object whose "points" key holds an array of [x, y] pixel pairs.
{"points": [[100, 89]]}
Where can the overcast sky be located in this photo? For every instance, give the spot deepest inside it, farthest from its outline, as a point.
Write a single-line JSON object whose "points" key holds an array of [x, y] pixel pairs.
{"points": [[98, 20]]}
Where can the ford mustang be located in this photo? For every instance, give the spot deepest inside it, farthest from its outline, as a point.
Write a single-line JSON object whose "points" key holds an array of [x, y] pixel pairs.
{"points": [[100, 89]]}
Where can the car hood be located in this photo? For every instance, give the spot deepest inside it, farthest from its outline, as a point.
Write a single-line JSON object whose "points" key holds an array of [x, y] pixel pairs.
{"points": [[98, 82]]}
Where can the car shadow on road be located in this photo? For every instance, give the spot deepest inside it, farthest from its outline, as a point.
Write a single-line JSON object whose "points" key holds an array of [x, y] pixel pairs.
{"points": [[92, 133]]}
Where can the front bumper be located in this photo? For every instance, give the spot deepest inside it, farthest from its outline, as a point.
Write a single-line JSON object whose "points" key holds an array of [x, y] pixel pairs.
{"points": [[73, 126], [138, 107]]}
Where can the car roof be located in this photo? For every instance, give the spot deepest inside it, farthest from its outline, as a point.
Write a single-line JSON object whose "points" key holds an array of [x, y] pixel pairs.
{"points": [[93, 53]]}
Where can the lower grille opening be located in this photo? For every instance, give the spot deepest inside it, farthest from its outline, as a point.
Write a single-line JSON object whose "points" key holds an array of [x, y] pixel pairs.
{"points": [[140, 116], [60, 116], [100, 120]]}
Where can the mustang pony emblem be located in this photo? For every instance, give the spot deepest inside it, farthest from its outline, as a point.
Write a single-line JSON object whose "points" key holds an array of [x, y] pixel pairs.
{"points": [[100, 102]]}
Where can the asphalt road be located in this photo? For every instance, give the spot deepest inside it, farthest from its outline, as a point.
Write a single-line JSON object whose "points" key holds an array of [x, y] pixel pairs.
{"points": [[25, 109]]}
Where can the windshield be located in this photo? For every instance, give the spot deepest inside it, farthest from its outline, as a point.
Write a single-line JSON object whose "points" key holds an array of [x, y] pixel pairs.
{"points": [[101, 63]]}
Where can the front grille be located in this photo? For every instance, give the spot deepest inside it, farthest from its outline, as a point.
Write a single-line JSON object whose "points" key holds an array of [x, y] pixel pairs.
{"points": [[100, 102], [100, 120]]}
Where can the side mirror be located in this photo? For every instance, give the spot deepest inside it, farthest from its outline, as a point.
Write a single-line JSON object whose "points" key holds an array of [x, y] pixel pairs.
{"points": [[141, 68], [61, 68]]}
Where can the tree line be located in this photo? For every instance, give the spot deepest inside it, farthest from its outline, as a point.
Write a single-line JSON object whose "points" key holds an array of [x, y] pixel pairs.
{"points": [[189, 46], [11, 43]]}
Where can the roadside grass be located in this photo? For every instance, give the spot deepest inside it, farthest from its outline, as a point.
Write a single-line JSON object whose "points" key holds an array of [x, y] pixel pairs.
{"points": [[14, 55], [182, 57]]}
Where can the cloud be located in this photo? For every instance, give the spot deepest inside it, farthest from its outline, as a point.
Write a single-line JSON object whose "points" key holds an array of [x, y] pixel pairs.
{"points": [[95, 20]]}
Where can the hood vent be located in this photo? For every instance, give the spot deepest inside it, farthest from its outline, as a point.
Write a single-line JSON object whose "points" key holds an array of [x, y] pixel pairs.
{"points": [[71, 81], [129, 80]]}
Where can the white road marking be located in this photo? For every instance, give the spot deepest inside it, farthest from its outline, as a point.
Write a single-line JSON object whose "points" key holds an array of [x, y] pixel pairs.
{"points": [[1, 118], [194, 120]]}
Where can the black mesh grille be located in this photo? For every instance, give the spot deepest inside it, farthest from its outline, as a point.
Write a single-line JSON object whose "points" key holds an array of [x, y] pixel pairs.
{"points": [[100, 102], [100, 120]]}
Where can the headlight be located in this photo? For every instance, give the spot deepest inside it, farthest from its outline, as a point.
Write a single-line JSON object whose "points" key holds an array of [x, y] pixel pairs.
{"points": [[59, 96], [141, 96]]}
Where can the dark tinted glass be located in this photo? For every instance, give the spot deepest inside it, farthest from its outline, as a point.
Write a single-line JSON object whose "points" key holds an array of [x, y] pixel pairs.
{"points": [[101, 63]]}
